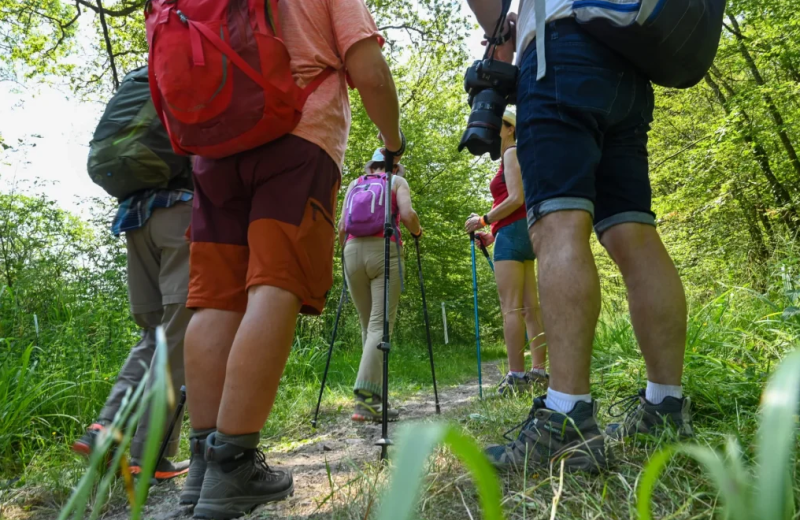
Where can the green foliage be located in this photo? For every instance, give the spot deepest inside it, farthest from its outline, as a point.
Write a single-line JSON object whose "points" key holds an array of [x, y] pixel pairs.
{"points": [[768, 493], [100, 475]]}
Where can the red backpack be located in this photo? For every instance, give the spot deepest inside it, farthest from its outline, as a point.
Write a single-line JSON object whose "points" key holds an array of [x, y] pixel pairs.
{"points": [[220, 75]]}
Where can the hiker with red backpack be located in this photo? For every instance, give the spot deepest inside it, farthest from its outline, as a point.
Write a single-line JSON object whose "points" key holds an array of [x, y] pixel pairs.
{"points": [[258, 91], [130, 157], [361, 234]]}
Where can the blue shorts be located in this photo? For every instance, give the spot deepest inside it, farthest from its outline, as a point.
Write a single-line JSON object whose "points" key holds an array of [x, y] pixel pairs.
{"points": [[582, 131], [513, 243]]}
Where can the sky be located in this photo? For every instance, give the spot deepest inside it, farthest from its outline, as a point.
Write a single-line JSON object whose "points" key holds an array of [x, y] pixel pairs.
{"points": [[57, 129]]}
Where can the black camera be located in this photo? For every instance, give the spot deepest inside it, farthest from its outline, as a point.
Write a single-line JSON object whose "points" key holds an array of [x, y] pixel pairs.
{"points": [[491, 85]]}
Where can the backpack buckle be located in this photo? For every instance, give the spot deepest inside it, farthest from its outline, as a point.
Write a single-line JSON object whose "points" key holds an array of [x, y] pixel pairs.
{"points": [[182, 17]]}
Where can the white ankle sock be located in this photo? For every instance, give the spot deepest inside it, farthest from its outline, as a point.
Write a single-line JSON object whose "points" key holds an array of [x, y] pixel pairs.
{"points": [[564, 403], [539, 371], [517, 374], [655, 393]]}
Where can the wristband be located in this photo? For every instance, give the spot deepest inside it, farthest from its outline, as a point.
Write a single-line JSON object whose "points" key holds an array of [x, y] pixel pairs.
{"points": [[486, 219], [402, 149], [419, 234], [482, 221]]}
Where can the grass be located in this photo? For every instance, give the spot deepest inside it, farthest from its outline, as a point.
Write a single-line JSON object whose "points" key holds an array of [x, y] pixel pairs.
{"points": [[736, 341]]}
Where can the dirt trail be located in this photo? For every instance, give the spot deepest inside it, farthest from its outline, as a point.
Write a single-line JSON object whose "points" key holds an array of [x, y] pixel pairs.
{"points": [[339, 442]]}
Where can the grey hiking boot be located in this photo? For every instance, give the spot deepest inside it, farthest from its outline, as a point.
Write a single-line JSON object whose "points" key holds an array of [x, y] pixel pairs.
{"points": [[369, 408], [238, 479], [547, 436], [512, 384], [190, 493], [539, 377], [642, 416]]}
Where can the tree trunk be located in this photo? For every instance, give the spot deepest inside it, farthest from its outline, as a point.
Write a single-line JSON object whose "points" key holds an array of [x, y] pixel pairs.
{"points": [[751, 218], [776, 116], [779, 191]]}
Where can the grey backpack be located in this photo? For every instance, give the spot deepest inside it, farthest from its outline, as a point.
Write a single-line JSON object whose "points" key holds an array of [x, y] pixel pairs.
{"points": [[130, 150], [672, 42]]}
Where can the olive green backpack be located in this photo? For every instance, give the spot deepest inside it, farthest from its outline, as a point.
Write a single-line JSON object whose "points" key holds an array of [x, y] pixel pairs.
{"points": [[130, 150]]}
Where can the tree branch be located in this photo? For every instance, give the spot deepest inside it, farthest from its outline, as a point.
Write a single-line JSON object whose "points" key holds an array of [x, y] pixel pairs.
{"points": [[99, 9], [109, 48]]}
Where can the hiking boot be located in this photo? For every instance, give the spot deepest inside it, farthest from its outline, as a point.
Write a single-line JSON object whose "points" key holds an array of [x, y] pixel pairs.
{"points": [[512, 384], [548, 437], [539, 377], [190, 493], [369, 409], [85, 445], [165, 469], [642, 416], [237, 480]]}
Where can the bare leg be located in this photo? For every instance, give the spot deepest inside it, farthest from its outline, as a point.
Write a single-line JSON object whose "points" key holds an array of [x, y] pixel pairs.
{"points": [[655, 297], [257, 360], [510, 276], [570, 293], [208, 342], [533, 318]]}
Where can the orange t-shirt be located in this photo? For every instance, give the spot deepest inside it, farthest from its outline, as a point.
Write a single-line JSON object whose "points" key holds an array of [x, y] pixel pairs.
{"points": [[318, 34]]}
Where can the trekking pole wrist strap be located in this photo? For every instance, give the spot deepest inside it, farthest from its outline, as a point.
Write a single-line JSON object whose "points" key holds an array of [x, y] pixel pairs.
{"points": [[402, 149]]}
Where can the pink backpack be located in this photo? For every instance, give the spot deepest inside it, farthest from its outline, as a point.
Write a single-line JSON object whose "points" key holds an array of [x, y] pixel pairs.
{"points": [[365, 212]]}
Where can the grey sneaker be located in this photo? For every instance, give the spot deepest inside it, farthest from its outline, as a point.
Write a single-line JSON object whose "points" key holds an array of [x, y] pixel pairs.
{"points": [[512, 384], [190, 493], [547, 436], [237, 480], [642, 416], [369, 408]]}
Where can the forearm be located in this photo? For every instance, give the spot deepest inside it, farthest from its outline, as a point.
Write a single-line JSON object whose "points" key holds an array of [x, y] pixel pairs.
{"points": [[504, 209], [380, 101], [487, 12], [411, 222]]}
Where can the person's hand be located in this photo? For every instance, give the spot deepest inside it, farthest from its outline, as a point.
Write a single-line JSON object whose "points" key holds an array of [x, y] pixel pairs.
{"points": [[506, 51], [418, 235], [486, 239], [473, 223]]}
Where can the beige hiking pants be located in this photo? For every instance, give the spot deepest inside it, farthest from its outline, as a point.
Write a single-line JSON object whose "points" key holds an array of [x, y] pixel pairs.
{"points": [[158, 282], [364, 265]]}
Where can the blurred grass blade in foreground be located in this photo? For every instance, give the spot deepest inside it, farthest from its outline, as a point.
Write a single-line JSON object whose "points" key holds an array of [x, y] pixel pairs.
{"points": [[768, 494], [417, 442]]}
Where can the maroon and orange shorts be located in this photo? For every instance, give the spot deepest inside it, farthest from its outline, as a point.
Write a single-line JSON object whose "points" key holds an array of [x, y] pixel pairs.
{"points": [[263, 217]]}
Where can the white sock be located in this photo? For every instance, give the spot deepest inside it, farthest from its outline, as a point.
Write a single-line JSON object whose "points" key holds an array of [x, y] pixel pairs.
{"points": [[517, 374], [655, 393], [539, 371], [564, 403]]}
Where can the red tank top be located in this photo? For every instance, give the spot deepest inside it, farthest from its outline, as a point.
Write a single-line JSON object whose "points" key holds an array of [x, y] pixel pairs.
{"points": [[396, 213], [499, 194]]}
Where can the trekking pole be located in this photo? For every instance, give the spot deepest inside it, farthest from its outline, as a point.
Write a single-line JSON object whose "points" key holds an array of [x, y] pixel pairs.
{"points": [[178, 412], [477, 324], [486, 255], [427, 326], [384, 442], [342, 301]]}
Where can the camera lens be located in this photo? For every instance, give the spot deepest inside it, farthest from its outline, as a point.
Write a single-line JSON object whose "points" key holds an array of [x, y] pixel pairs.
{"points": [[483, 129]]}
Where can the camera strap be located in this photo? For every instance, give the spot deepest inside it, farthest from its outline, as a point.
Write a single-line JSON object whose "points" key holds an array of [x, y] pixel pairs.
{"points": [[497, 39]]}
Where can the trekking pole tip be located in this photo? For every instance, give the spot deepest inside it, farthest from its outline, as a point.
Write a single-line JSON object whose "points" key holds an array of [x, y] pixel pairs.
{"points": [[314, 424], [438, 410]]}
